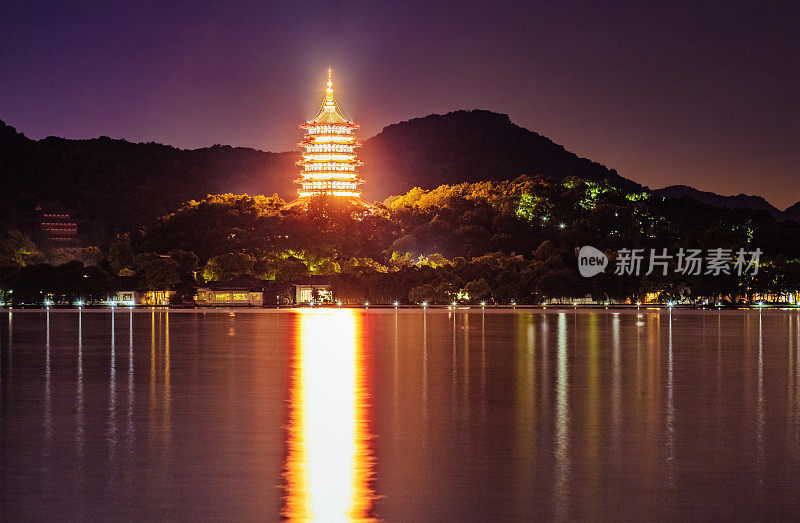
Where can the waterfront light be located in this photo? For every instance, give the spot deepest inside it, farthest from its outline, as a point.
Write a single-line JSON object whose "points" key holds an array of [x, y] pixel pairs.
{"points": [[48, 303], [562, 225], [483, 304], [79, 303], [112, 303], [339, 303], [366, 304], [670, 304], [424, 304], [396, 304]]}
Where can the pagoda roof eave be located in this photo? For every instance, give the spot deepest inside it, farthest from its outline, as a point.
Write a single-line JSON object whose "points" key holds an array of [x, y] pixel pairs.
{"points": [[310, 141], [353, 161], [343, 122]]}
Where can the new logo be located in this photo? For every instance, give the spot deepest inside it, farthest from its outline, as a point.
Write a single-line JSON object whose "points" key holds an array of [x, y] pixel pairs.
{"points": [[591, 261]]}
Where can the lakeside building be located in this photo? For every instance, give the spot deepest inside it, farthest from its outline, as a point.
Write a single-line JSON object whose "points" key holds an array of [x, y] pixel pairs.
{"points": [[247, 291], [132, 298], [329, 164], [124, 293], [316, 292], [242, 291], [789, 297]]}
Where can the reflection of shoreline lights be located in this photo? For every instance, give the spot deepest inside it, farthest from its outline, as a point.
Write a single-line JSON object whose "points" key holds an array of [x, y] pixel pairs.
{"points": [[329, 464]]}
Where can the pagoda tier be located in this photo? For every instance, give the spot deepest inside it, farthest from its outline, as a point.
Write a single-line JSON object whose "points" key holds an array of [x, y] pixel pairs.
{"points": [[329, 165]]}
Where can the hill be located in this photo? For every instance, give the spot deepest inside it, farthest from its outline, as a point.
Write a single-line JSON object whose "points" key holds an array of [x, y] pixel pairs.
{"points": [[793, 212], [467, 146], [739, 201], [114, 185]]}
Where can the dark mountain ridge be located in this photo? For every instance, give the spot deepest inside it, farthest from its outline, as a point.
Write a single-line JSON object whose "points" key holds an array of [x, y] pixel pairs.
{"points": [[467, 146], [739, 201]]}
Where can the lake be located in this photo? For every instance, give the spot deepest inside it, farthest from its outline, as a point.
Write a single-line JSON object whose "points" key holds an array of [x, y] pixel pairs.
{"points": [[406, 415]]}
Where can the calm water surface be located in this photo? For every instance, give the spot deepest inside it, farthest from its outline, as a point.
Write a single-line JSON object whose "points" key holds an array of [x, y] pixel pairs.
{"points": [[402, 416]]}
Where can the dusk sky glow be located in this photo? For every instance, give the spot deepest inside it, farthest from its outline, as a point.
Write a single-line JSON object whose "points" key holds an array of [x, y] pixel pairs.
{"points": [[703, 95]]}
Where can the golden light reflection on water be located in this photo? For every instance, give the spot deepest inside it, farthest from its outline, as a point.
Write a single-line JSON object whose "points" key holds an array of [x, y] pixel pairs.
{"points": [[329, 464]]}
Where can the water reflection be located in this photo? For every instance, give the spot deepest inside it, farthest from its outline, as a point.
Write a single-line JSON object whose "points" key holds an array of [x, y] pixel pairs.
{"points": [[562, 423], [48, 399], [670, 439], [79, 405], [424, 377], [794, 384], [760, 453], [329, 464], [616, 385], [453, 372], [131, 428], [112, 396]]}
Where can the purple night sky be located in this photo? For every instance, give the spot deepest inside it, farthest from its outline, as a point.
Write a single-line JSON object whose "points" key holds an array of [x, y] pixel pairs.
{"points": [[704, 95]]}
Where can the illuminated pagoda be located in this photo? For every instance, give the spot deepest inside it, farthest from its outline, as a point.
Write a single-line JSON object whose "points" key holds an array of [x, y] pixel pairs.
{"points": [[329, 165]]}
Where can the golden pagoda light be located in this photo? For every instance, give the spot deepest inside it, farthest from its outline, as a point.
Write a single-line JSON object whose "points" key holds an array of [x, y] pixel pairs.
{"points": [[329, 165]]}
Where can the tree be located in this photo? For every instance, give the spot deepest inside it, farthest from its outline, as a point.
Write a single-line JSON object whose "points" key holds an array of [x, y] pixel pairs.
{"points": [[422, 293], [558, 284], [186, 260], [158, 275], [120, 253], [16, 249], [477, 290], [228, 266]]}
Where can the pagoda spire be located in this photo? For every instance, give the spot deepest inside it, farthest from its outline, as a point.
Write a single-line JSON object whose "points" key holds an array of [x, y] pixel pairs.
{"points": [[329, 99], [329, 112]]}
